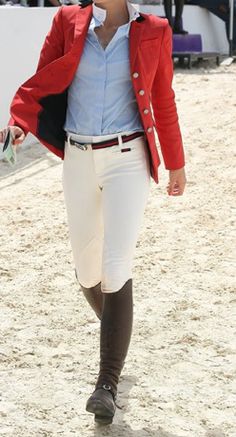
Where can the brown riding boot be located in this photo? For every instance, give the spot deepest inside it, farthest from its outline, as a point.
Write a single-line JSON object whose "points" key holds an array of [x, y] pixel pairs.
{"points": [[94, 297], [116, 328]]}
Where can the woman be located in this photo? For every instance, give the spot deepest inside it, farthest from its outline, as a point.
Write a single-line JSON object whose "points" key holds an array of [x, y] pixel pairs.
{"points": [[103, 68]]}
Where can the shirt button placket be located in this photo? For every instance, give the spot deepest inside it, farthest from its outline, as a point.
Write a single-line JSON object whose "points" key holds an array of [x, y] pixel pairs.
{"points": [[104, 79]]}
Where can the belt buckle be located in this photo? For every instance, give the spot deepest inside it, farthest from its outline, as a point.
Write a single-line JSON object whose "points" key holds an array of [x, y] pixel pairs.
{"points": [[81, 146], [76, 143]]}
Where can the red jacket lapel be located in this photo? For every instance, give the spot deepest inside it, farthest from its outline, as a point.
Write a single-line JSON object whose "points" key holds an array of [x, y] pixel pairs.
{"points": [[136, 31]]}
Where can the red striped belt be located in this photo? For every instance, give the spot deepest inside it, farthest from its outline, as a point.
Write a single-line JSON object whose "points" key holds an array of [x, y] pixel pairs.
{"points": [[104, 144]]}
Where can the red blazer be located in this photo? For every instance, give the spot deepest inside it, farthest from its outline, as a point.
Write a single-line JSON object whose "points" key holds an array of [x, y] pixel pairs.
{"points": [[39, 105]]}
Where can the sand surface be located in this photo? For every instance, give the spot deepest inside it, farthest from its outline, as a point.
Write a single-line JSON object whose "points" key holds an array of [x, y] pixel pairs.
{"points": [[179, 377]]}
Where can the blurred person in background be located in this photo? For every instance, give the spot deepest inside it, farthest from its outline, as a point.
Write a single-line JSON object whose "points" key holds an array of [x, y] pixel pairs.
{"points": [[46, 3], [221, 9], [17, 3], [175, 23]]}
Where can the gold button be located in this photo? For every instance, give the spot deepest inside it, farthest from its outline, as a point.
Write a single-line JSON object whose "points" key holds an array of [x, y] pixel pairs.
{"points": [[141, 92], [135, 75], [146, 111], [149, 130]]}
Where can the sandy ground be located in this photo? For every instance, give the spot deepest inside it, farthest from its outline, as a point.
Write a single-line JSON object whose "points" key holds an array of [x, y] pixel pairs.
{"points": [[179, 375]]}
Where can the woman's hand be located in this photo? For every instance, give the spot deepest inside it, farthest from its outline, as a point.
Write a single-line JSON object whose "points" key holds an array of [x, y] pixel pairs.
{"points": [[17, 133], [177, 182]]}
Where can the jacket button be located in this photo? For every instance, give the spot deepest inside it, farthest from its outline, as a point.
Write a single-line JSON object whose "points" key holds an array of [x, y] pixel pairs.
{"points": [[135, 75], [141, 92], [146, 111], [149, 130]]}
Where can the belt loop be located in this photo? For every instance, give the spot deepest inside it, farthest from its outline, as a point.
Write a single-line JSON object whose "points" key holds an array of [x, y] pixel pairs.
{"points": [[68, 139], [120, 140]]}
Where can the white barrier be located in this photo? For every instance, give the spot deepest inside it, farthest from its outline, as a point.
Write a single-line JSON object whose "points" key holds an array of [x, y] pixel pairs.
{"points": [[22, 32]]}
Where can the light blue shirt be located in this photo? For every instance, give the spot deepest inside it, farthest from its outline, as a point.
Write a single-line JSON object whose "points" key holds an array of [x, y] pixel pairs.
{"points": [[101, 98]]}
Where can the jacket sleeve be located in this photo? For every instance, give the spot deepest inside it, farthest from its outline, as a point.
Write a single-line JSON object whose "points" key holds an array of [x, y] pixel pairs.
{"points": [[53, 48], [164, 107]]}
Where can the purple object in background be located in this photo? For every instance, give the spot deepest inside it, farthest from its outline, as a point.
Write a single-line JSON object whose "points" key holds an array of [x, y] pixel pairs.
{"points": [[187, 43]]}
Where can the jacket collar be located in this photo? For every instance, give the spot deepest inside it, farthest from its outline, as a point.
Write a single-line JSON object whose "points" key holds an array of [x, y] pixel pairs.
{"points": [[83, 18], [135, 36]]}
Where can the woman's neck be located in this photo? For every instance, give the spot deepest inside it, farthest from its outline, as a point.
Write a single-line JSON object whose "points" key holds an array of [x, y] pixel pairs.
{"points": [[116, 12]]}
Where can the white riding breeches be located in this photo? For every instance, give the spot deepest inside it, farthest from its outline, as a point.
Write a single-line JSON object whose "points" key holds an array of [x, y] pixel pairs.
{"points": [[105, 191]]}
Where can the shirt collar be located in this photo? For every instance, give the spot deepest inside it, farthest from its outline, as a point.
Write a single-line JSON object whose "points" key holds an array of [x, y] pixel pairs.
{"points": [[100, 14]]}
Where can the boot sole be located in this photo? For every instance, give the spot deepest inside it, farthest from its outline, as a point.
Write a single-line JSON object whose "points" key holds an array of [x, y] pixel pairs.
{"points": [[102, 414]]}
